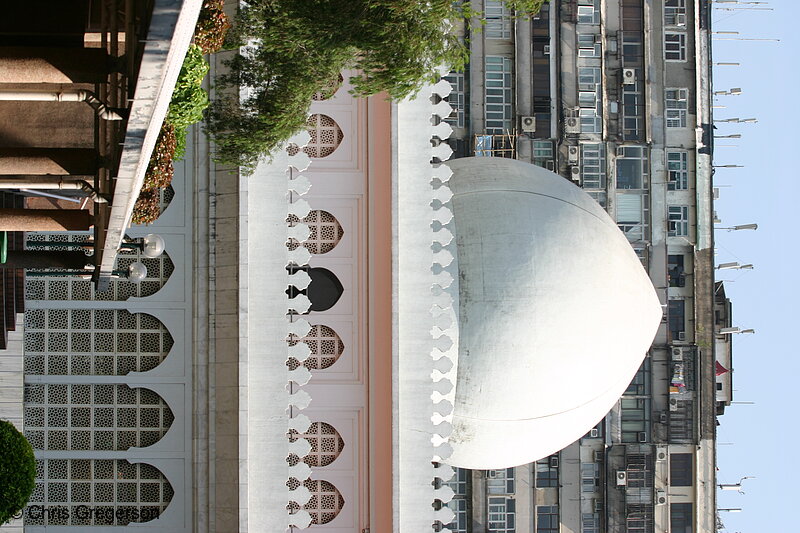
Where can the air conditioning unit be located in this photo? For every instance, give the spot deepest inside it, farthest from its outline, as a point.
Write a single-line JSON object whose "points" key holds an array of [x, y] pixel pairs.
{"points": [[594, 433], [572, 125], [677, 354], [575, 173], [681, 335], [573, 154], [622, 478], [661, 497], [673, 404], [663, 418], [661, 453], [528, 124], [642, 436], [553, 461], [598, 456], [491, 474], [598, 505], [680, 19], [550, 164], [628, 76], [546, 50]]}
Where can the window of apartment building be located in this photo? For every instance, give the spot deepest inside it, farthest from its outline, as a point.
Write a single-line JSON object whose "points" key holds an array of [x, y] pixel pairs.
{"points": [[589, 45], [590, 477], [547, 519], [680, 470], [676, 316], [678, 170], [543, 153], [546, 475], [632, 213], [588, 11], [676, 271], [677, 104], [459, 482], [678, 218], [639, 518], [593, 165], [632, 111], [498, 97], [590, 523], [459, 508], [635, 419], [589, 78], [680, 518], [640, 384], [500, 481], [675, 13], [456, 99], [632, 167], [675, 46], [502, 515], [590, 99], [498, 20], [591, 122]]}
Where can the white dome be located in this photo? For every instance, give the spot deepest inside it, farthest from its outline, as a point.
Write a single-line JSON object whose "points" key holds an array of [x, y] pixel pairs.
{"points": [[556, 313]]}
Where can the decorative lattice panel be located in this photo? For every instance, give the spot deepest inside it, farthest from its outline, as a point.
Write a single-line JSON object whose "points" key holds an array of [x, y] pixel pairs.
{"points": [[96, 492], [325, 344], [105, 342], [326, 136], [325, 502], [326, 444], [329, 89], [74, 288], [325, 232], [93, 417]]}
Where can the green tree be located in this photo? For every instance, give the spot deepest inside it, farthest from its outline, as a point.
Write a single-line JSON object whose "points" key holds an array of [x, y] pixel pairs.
{"points": [[290, 49], [17, 471]]}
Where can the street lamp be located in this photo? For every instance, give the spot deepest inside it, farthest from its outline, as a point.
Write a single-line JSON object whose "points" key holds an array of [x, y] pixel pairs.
{"points": [[741, 227], [151, 245], [738, 120], [731, 136], [135, 273], [727, 166], [736, 91], [734, 329], [734, 266]]}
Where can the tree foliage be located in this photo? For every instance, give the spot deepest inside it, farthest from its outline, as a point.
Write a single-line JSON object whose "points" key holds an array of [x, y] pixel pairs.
{"points": [[290, 49], [17, 471]]}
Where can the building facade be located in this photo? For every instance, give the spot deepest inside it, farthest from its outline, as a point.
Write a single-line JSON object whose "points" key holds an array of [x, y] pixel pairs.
{"points": [[615, 96]]}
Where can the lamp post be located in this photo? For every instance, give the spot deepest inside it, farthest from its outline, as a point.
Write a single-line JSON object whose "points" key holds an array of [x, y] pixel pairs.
{"points": [[738, 120], [731, 136], [734, 266], [735, 91], [727, 166], [741, 227], [734, 329]]}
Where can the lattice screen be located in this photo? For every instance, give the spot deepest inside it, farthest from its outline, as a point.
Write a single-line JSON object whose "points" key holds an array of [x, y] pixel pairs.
{"points": [[326, 232], [326, 444], [326, 136], [117, 491], [325, 502], [329, 89], [73, 288], [105, 342], [93, 417], [325, 345]]}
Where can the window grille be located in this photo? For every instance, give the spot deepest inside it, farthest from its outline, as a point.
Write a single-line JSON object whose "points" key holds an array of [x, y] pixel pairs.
{"points": [[502, 515], [675, 12], [456, 99], [73, 288], [326, 136], [326, 348], [93, 417], [104, 342], [678, 170], [325, 502], [675, 46], [547, 519], [498, 98], [119, 492], [326, 443], [677, 105], [325, 234], [498, 20]]}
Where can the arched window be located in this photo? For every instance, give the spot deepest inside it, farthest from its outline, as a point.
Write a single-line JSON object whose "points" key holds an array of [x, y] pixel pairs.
{"points": [[159, 270], [325, 344], [60, 416], [326, 136], [116, 491], [324, 290], [325, 234], [326, 443], [104, 342], [325, 502]]}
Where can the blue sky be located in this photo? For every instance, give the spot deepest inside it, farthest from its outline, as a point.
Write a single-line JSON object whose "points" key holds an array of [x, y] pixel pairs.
{"points": [[766, 365]]}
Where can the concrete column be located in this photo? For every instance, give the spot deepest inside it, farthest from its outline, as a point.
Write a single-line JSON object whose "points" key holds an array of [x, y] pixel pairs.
{"points": [[54, 65], [44, 219], [43, 161], [480, 513], [72, 260]]}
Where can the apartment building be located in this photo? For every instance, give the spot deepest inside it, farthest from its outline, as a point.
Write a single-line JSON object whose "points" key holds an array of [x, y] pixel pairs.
{"points": [[614, 95]]}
